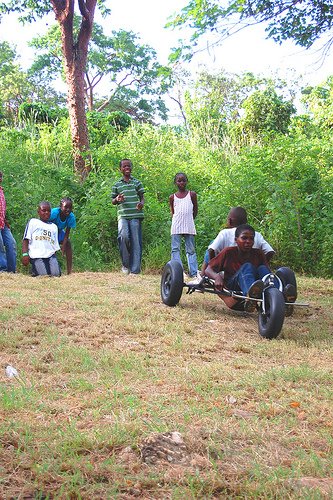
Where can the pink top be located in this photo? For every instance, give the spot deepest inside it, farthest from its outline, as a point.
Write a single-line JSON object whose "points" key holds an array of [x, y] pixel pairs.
{"points": [[2, 209]]}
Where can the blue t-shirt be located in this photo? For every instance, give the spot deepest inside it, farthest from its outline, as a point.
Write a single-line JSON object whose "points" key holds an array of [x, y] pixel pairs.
{"points": [[70, 221]]}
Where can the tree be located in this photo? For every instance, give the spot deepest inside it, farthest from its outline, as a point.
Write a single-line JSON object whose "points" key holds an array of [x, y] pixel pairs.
{"points": [[222, 93], [303, 21], [74, 51], [14, 84], [136, 79], [17, 87], [319, 103], [218, 106], [211, 104], [265, 111], [130, 72]]}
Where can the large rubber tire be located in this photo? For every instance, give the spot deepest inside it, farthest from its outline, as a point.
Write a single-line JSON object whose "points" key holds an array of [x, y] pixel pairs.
{"points": [[172, 283], [270, 323], [287, 276]]}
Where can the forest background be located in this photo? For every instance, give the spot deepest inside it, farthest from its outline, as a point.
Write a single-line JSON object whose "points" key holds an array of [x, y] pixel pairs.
{"points": [[241, 142]]}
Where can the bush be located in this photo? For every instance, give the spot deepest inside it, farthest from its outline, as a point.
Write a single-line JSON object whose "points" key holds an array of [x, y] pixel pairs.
{"points": [[285, 186], [40, 113]]}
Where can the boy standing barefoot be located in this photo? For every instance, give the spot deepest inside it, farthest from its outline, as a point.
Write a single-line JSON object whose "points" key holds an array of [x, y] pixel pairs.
{"points": [[128, 195]]}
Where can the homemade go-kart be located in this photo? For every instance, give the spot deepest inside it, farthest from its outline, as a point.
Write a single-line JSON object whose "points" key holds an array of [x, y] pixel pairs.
{"points": [[271, 307]]}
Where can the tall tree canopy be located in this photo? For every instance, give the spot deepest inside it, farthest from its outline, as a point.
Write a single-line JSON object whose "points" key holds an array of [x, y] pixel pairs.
{"points": [[319, 103], [14, 86], [75, 51], [302, 21], [131, 75], [243, 107], [17, 87]]}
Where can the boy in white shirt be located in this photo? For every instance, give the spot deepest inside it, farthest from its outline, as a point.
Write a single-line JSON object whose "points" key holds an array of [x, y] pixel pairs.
{"points": [[40, 243], [226, 238]]}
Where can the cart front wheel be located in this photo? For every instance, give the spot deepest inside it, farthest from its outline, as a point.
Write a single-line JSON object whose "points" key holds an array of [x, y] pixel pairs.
{"points": [[172, 283], [271, 322]]}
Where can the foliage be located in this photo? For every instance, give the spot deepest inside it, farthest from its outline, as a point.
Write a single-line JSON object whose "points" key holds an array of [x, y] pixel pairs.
{"points": [[103, 126], [7, 58], [40, 113], [283, 177], [18, 87], [37, 164], [30, 10], [14, 84], [266, 111], [212, 104], [130, 72], [74, 51], [319, 103], [239, 108], [97, 238], [290, 189], [301, 21]]}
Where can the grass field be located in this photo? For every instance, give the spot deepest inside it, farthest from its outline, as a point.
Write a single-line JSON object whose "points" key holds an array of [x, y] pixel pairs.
{"points": [[104, 367]]}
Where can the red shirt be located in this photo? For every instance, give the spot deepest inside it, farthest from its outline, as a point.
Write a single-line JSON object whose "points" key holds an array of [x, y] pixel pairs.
{"points": [[2, 209], [230, 260]]}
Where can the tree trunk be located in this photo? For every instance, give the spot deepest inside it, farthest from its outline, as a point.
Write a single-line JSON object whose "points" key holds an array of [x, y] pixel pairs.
{"points": [[88, 90], [77, 116], [75, 60]]}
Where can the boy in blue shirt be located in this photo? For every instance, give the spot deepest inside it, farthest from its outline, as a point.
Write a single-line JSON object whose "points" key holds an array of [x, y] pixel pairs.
{"points": [[64, 219]]}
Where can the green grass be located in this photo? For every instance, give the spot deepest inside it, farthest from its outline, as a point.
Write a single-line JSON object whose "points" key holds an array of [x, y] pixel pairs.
{"points": [[103, 364]]}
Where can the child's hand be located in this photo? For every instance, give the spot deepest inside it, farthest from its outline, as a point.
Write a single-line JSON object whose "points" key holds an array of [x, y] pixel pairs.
{"points": [[139, 205], [25, 260], [120, 198], [218, 282]]}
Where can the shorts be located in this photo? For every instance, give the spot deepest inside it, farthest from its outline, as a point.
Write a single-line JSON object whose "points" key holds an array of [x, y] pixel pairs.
{"points": [[206, 257], [61, 235]]}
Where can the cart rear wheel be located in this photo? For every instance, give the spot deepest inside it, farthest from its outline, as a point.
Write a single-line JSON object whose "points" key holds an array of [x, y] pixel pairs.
{"points": [[271, 322], [287, 276], [172, 283]]}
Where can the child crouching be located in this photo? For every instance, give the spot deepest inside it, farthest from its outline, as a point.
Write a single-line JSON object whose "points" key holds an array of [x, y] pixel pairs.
{"points": [[40, 243]]}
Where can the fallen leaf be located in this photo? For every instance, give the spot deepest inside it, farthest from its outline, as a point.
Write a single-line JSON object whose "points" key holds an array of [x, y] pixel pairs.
{"points": [[294, 404]]}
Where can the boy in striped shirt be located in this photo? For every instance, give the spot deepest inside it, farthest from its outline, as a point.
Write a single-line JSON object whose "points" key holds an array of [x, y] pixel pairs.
{"points": [[128, 195]]}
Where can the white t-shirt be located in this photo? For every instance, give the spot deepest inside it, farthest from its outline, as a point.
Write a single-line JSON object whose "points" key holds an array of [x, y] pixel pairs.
{"points": [[226, 238], [43, 238]]}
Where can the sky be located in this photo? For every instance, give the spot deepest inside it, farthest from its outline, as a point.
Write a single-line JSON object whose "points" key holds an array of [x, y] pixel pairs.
{"points": [[246, 51], [249, 50]]}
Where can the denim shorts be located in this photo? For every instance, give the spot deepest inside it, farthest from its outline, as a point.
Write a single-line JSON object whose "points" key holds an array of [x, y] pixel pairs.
{"points": [[61, 235]]}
